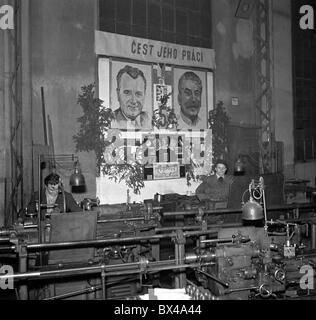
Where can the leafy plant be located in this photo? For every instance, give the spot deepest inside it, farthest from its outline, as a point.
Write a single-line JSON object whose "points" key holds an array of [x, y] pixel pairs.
{"points": [[164, 116], [94, 124], [218, 121]]}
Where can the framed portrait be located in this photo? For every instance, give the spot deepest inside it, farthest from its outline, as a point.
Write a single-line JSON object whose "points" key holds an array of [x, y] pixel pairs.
{"points": [[131, 95], [190, 98]]}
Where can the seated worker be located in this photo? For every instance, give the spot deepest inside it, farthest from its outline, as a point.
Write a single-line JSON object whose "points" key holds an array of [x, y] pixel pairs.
{"points": [[52, 195], [216, 188]]}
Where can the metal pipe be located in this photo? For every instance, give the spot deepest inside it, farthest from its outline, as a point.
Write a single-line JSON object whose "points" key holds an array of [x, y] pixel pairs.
{"points": [[122, 220], [90, 289], [165, 229], [228, 211], [75, 293], [23, 290], [264, 206], [39, 218], [224, 284], [241, 289], [198, 233], [217, 240], [313, 235], [103, 284], [213, 227], [177, 228], [7, 249], [4, 232], [87, 243], [151, 267]]}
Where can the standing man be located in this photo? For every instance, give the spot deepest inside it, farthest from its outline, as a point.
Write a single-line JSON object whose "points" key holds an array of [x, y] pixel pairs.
{"points": [[216, 187], [189, 99], [131, 92]]}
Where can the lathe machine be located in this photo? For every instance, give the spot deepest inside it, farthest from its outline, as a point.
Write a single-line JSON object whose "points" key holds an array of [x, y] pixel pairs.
{"points": [[122, 251]]}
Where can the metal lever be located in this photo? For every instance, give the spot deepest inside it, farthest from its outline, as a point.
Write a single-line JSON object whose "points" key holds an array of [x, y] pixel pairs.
{"points": [[224, 284]]}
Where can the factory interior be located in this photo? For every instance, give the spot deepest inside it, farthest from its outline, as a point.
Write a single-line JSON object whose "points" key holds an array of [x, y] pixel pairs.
{"points": [[157, 150]]}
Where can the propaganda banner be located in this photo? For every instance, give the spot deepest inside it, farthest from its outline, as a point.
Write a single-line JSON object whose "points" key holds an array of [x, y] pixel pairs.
{"points": [[115, 45]]}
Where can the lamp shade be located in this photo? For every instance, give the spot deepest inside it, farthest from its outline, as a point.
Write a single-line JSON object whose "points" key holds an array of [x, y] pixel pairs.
{"points": [[252, 210], [77, 179], [239, 166]]}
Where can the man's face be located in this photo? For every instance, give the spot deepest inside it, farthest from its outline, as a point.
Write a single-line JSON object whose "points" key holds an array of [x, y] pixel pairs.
{"points": [[52, 189], [189, 98], [131, 95], [220, 169]]}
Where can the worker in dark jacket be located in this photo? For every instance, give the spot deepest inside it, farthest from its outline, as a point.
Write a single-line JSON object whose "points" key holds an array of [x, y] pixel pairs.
{"points": [[216, 187], [53, 197]]}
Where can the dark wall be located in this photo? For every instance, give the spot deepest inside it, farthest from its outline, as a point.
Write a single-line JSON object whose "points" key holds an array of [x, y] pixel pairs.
{"points": [[233, 42], [63, 60], [243, 143], [273, 186]]}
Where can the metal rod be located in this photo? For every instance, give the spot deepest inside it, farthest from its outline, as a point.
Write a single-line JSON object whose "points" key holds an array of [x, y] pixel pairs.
{"points": [[264, 207], [4, 232], [23, 289], [87, 243], [224, 284], [90, 289], [75, 293], [103, 284], [44, 116], [212, 227], [39, 222], [198, 233], [228, 211], [151, 267], [313, 235], [7, 249], [99, 242], [123, 220], [217, 240], [241, 289], [177, 228]]}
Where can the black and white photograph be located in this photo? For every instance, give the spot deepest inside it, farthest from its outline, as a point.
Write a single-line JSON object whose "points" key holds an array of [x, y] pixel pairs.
{"points": [[157, 155], [189, 96], [131, 95]]}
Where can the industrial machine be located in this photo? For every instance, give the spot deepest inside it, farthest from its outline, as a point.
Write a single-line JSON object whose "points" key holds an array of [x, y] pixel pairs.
{"points": [[122, 251]]}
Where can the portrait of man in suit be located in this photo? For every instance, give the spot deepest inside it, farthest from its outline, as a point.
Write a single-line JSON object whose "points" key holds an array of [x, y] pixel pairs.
{"points": [[131, 87], [190, 99]]}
